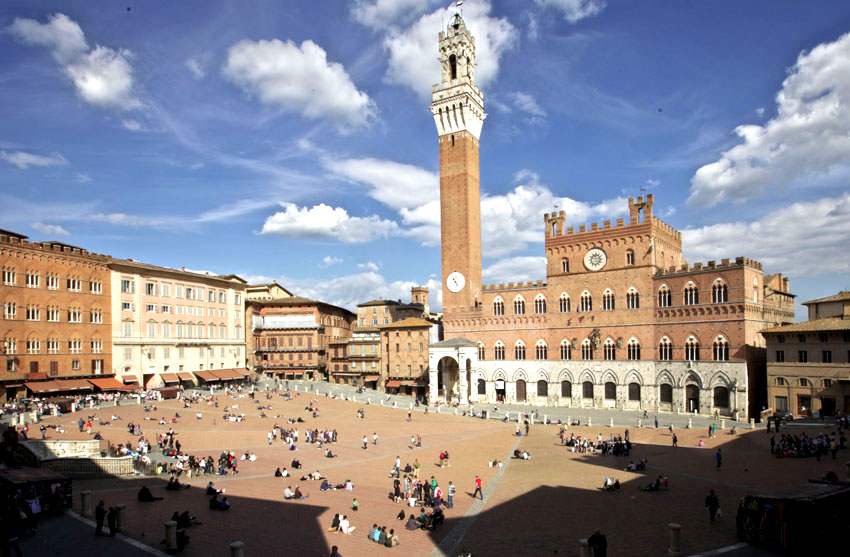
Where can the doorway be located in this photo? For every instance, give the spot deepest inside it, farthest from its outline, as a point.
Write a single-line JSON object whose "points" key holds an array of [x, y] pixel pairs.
{"points": [[500, 390], [692, 398], [520, 390], [827, 406]]}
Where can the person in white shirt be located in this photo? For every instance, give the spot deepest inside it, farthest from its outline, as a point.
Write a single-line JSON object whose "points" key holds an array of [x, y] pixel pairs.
{"points": [[288, 494], [345, 527]]}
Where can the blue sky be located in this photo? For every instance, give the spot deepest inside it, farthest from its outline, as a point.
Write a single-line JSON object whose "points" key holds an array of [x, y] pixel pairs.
{"points": [[292, 140]]}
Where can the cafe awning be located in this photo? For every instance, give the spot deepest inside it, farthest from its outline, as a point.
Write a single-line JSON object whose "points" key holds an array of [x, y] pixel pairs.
{"points": [[130, 380], [74, 384], [225, 374], [170, 378], [372, 378], [206, 376], [184, 376], [38, 387], [393, 384], [108, 384]]}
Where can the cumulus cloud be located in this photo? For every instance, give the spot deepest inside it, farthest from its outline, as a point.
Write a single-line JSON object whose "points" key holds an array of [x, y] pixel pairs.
{"points": [[102, 76], [511, 221], [528, 103], [132, 125], [323, 221], [368, 266], [413, 50], [516, 269], [379, 14], [82, 178], [329, 261], [123, 219], [299, 79], [801, 239], [53, 229], [574, 10], [25, 160], [807, 140]]}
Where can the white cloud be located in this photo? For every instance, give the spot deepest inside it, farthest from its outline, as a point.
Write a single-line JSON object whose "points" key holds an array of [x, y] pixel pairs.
{"points": [[802, 239], [532, 30], [234, 209], [651, 183], [299, 79], [528, 104], [808, 140], [124, 219], [423, 223], [413, 51], [368, 266], [350, 290], [574, 10], [760, 112], [394, 184], [82, 178], [102, 76], [516, 269], [132, 125], [196, 68], [329, 261], [322, 221], [379, 14], [25, 160], [53, 229], [511, 221]]}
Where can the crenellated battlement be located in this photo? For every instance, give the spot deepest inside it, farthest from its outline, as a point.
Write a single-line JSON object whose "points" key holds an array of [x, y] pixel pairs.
{"points": [[514, 286], [555, 222], [710, 266], [20, 241]]}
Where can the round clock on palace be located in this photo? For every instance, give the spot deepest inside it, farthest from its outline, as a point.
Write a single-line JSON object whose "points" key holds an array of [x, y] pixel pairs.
{"points": [[595, 259], [455, 282]]}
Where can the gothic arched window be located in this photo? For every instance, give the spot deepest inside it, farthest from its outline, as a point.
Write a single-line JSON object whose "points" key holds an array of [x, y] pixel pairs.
{"points": [[542, 350], [665, 298], [565, 303], [499, 351], [519, 306], [634, 349], [519, 350], [665, 349], [610, 350], [721, 349], [632, 298], [608, 300], [539, 304], [498, 307], [719, 292], [566, 350], [453, 65], [692, 349]]}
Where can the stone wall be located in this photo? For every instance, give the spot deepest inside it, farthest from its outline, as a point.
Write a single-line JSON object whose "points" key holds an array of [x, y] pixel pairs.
{"points": [[52, 449]]}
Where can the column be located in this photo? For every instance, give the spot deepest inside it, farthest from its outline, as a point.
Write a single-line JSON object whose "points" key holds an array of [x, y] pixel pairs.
{"points": [[675, 540], [237, 549], [433, 382], [584, 548], [121, 519], [171, 537]]}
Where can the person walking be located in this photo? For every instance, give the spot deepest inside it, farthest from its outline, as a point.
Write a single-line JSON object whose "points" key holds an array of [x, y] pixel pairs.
{"points": [[416, 467], [365, 443], [478, 488], [409, 415], [713, 504], [645, 415], [450, 503], [100, 517], [112, 520], [598, 544], [656, 422], [375, 438], [675, 440], [718, 456]]}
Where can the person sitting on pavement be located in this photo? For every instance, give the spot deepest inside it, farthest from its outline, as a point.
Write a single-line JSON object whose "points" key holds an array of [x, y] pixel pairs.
{"points": [[412, 523], [146, 496]]}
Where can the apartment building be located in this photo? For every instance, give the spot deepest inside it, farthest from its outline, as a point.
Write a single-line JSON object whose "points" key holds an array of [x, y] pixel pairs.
{"points": [[171, 324]]}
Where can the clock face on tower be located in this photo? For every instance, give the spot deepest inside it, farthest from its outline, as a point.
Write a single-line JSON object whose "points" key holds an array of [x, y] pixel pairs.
{"points": [[455, 282], [595, 259]]}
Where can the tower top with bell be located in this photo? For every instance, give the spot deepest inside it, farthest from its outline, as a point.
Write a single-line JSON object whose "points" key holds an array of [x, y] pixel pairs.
{"points": [[458, 105]]}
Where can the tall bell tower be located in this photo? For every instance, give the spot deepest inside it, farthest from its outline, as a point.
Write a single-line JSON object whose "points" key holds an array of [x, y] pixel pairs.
{"points": [[458, 109]]}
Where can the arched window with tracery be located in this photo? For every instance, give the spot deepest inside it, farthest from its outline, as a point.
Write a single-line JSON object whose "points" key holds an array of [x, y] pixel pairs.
{"points": [[542, 388], [691, 294], [539, 304], [632, 298], [498, 307], [481, 351], [519, 350], [586, 350], [665, 349], [665, 297], [565, 265], [586, 301], [692, 349], [566, 350], [608, 300], [719, 292], [499, 351], [564, 303], [721, 349], [542, 351], [633, 349], [610, 350], [519, 305]]}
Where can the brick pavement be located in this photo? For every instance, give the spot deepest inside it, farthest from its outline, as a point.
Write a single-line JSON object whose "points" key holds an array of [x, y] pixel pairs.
{"points": [[538, 506]]}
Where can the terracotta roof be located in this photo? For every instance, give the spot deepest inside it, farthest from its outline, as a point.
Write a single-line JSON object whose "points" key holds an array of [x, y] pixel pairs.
{"points": [[378, 303], [834, 298], [139, 265], [405, 323], [12, 234], [454, 343], [814, 325]]}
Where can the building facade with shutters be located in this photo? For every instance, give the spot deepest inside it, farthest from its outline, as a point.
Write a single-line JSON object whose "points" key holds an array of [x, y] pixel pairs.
{"points": [[56, 321], [621, 319], [171, 324], [291, 337], [808, 363]]}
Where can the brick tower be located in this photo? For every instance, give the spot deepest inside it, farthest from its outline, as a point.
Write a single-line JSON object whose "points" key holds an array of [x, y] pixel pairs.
{"points": [[458, 109]]}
